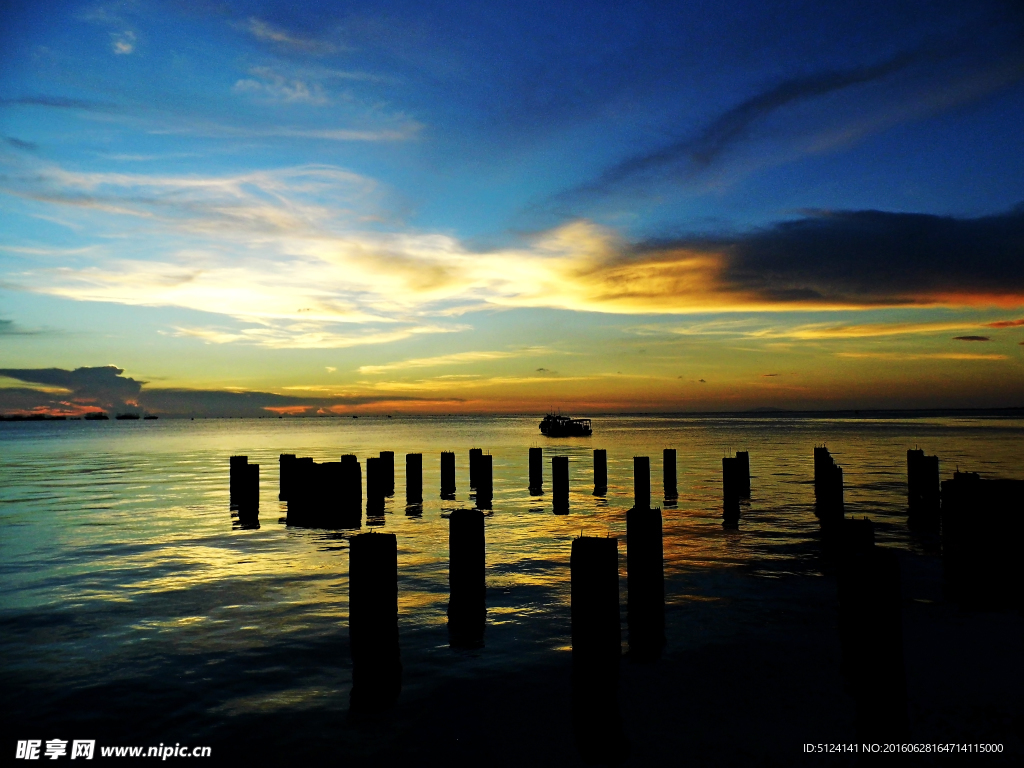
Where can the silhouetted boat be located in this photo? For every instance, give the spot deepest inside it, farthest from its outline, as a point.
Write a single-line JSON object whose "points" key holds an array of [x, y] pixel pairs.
{"points": [[563, 426], [127, 417], [150, 418], [96, 416]]}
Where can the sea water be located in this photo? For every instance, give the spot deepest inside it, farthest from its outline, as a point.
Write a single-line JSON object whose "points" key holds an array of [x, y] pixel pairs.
{"points": [[135, 607]]}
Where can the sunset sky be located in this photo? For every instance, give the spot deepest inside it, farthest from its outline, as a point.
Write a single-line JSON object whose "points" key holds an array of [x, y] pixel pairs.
{"points": [[220, 208]]}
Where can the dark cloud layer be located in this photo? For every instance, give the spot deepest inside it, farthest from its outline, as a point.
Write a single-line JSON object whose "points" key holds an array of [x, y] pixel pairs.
{"points": [[871, 258], [106, 388], [103, 387]]}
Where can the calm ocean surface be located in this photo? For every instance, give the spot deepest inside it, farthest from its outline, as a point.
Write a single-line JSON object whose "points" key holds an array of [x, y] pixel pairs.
{"points": [[135, 608]]}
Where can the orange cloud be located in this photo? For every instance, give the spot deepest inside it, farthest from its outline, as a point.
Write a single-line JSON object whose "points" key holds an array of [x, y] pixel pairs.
{"points": [[287, 410]]}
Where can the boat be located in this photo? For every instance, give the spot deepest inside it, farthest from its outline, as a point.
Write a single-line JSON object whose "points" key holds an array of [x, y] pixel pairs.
{"points": [[563, 426], [127, 417], [96, 416]]}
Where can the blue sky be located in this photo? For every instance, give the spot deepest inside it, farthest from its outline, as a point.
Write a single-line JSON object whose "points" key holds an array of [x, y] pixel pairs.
{"points": [[504, 206]]}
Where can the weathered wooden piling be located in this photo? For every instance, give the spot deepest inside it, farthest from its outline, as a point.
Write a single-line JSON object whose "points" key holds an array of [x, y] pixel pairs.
{"points": [[871, 631], [642, 482], [560, 483], [286, 463], [828, 489], [668, 461], [375, 486], [596, 648], [351, 491], [484, 481], [447, 473], [331, 512], [600, 471], [235, 477], [413, 478], [743, 462], [474, 465], [304, 494], [923, 490], [387, 463], [645, 582], [247, 492], [466, 578], [373, 620], [731, 490], [536, 469]]}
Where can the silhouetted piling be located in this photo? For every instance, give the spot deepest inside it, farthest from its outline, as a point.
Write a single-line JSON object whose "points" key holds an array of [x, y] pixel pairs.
{"points": [[923, 490], [351, 491], [248, 493], [447, 474], [600, 471], [387, 464], [373, 620], [669, 473], [466, 578], [982, 527], [474, 465], [871, 631], [828, 490], [596, 649], [484, 480], [645, 582], [536, 470], [304, 495], [743, 470], [641, 482], [731, 489], [375, 486], [287, 464], [413, 478], [236, 475], [329, 476], [560, 483]]}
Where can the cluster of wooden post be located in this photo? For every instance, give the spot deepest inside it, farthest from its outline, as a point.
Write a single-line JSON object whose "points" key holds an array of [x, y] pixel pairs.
{"points": [[828, 490], [324, 495], [244, 488]]}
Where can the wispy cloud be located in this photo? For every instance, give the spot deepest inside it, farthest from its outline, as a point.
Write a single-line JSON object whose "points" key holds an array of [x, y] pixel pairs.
{"points": [[308, 336], [59, 102], [1006, 324], [270, 85], [122, 43], [712, 141], [28, 146], [398, 129], [458, 358], [269, 33], [922, 355]]}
